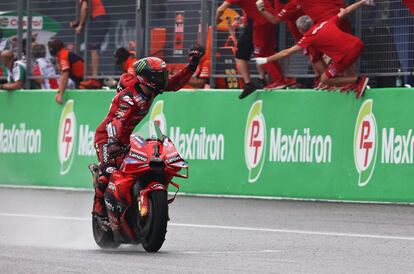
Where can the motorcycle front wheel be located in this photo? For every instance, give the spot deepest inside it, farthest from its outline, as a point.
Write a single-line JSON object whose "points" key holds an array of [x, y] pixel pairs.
{"points": [[156, 221]]}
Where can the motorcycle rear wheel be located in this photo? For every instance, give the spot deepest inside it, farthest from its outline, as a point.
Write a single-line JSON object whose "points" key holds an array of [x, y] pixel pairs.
{"points": [[158, 218], [104, 239]]}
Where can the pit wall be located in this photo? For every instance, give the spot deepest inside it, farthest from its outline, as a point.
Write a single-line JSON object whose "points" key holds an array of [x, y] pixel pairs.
{"points": [[291, 144]]}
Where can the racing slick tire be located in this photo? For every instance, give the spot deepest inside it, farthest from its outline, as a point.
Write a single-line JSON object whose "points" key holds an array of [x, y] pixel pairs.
{"points": [[157, 221]]}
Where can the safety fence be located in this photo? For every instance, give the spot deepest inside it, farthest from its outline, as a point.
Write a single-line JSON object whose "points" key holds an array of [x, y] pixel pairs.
{"points": [[166, 28], [293, 144]]}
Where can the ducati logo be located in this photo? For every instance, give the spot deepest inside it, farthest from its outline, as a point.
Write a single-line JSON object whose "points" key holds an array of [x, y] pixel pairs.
{"points": [[66, 137], [157, 115], [365, 143], [255, 141]]}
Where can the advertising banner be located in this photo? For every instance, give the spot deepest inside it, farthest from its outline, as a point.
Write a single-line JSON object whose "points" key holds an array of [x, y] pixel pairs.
{"points": [[293, 144]]}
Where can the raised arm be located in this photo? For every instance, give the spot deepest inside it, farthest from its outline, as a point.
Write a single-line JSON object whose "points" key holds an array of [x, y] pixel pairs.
{"points": [[282, 54], [351, 8], [179, 80], [83, 15]]}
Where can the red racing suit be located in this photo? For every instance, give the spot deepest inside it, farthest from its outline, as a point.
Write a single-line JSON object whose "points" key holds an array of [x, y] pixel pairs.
{"points": [[130, 106]]}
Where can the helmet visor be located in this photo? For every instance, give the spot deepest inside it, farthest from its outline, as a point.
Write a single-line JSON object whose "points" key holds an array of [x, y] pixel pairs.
{"points": [[160, 80]]}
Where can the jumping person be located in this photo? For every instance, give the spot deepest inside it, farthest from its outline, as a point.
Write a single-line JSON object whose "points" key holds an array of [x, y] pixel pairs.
{"points": [[328, 38], [264, 42]]}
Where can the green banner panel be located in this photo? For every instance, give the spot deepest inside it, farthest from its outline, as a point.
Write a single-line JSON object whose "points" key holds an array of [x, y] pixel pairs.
{"points": [[295, 143]]}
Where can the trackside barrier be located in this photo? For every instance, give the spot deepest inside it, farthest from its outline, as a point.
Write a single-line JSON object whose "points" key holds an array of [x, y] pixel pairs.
{"points": [[296, 143]]}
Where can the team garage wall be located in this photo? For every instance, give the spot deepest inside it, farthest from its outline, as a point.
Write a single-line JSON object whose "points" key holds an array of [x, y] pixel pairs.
{"points": [[296, 144]]}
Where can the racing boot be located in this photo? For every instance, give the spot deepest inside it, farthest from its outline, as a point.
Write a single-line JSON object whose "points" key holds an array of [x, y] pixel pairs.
{"points": [[99, 208], [99, 202]]}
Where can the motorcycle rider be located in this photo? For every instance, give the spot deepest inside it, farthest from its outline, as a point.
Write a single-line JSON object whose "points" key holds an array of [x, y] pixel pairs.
{"points": [[130, 105]]}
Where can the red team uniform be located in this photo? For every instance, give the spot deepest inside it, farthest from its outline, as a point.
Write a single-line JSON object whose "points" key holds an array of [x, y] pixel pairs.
{"points": [[319, 11], [264, 38], [322, 10], [130, 106], [344, 49], [290, 13]]}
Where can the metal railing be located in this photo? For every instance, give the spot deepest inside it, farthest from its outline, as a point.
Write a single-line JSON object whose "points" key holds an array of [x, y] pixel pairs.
{"points": [[167, 28]]}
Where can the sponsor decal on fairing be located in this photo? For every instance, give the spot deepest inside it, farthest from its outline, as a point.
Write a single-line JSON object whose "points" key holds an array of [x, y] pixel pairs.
{"points": [[137, 156]]}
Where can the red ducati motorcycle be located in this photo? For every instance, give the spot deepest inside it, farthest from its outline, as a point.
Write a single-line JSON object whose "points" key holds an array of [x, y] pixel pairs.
{"points": [[136, 198]]}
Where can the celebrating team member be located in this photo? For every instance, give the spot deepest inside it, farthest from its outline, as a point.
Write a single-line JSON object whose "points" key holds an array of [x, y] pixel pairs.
{"points": [[289, 14], [327, 37], [263, 40], [131, 104]]}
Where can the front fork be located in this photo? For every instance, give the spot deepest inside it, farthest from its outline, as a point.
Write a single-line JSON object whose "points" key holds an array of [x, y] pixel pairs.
{"points": [[154, 186]]}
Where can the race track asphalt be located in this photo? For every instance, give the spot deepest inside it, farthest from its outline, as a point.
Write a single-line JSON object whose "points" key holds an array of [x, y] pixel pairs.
{"points": [[49, 231]]}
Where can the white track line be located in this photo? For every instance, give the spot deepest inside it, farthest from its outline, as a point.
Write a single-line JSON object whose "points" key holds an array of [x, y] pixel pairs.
{"points": [[293, 231], [229, 252], [45, 217], [239, 228], [271, 198]]}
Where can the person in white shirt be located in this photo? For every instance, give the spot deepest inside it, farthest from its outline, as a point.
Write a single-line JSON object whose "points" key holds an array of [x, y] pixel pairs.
{"points": [[43, 68]]}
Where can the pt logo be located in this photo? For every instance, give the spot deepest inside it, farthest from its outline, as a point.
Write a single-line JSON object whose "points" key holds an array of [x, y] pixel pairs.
{"points": [[66, 137], [157, 115], [365, 143], [255, 141]]}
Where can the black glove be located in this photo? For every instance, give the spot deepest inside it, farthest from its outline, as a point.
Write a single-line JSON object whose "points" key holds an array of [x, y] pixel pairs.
{"points": [[111, 150], [194, 55]]}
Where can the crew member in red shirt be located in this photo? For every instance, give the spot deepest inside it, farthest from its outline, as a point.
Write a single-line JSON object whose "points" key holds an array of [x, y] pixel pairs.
{"points": [[327, 37], [264, 40], [125, 60], [318, 11], [69, 64], [289, 13]]}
